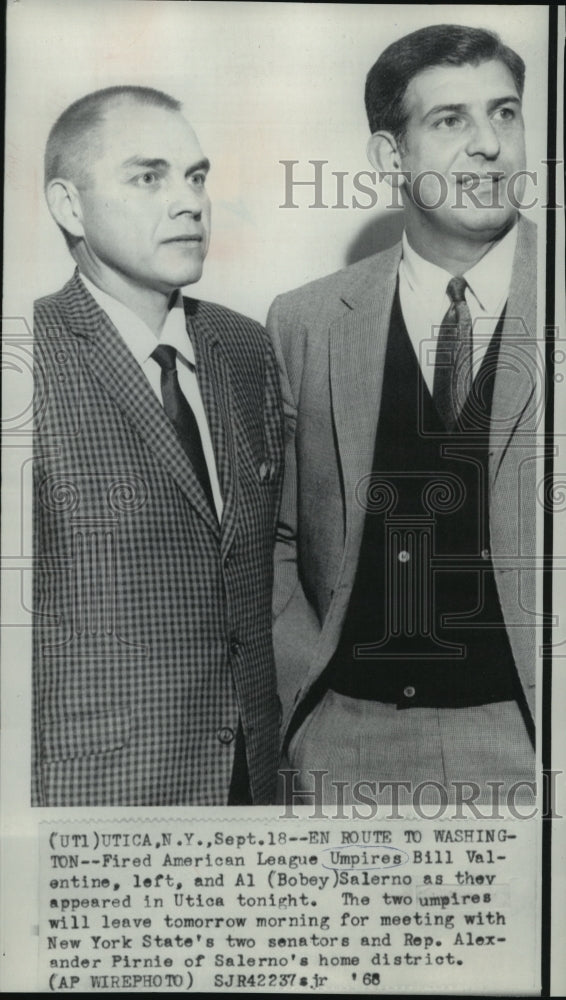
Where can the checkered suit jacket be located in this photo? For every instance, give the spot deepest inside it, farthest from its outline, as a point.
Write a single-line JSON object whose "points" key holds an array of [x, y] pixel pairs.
{"points": [[152, 622]]}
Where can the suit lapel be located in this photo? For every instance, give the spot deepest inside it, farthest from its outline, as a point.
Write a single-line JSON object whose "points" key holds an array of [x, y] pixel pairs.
{"points": [[515, 379], [357, 351], [216, 391], [358, 343], [112, 364]]}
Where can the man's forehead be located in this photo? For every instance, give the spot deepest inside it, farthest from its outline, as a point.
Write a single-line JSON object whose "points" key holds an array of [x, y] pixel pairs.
{"points": [[467, 84], [129, 123]]}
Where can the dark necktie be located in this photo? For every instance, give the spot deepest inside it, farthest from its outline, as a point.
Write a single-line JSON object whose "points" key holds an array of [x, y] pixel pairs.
{"points": [[453, 375], [181, 415]]}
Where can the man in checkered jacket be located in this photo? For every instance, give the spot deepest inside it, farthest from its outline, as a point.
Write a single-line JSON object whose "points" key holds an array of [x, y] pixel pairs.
{"points": [[153, 671]]}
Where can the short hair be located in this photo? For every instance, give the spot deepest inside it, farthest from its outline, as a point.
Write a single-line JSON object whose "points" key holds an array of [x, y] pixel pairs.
{"points": [[66, 153], [435, 45]]}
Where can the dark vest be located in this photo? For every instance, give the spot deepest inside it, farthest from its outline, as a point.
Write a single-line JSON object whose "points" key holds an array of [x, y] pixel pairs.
{"points": [[424, 625]]}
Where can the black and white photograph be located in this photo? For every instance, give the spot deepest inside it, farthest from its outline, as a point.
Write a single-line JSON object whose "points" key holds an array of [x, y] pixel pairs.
{"points": [[282, 497]]}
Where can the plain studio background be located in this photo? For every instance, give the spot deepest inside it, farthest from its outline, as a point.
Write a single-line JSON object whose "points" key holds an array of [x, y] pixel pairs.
{"points": [[261, 82]]}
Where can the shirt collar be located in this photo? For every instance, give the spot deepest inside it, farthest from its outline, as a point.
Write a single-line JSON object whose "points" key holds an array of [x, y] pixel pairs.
{"points": [[426, 280], [488, 280], [140, 340]]}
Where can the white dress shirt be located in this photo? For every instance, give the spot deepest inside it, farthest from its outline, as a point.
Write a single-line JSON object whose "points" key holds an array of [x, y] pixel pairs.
{"points": [[141, 342], [424, 302]]}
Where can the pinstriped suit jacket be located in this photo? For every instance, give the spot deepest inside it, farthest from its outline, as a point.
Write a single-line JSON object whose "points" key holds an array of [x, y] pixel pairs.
{"points": [[330, 338], [152, 622]]}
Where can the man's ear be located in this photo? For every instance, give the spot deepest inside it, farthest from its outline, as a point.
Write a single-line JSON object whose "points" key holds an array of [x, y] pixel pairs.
{"points": [[65, 205], [383, 154]]}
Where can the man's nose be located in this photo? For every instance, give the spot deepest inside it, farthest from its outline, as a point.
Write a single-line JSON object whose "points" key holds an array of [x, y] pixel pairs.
{"points": [[484, 140], [184, 197]]}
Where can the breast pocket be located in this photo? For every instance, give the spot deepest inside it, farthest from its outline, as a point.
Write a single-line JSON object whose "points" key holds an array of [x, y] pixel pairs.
{"points": [[83, 736], [89, 761]]}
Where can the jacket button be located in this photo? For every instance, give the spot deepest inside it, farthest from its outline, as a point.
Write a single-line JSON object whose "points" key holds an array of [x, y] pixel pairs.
{"points": [[225, 735], [485, 553], [409, 691], [235, 645]]}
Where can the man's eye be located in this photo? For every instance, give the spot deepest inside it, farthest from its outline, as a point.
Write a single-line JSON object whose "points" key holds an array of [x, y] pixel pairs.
{"points": [[505, 114], [448, 122], [147, 179], [198, 180]]}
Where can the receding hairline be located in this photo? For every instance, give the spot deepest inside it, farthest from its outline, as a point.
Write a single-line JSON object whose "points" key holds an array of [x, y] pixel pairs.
{"points": [[78, 129]]}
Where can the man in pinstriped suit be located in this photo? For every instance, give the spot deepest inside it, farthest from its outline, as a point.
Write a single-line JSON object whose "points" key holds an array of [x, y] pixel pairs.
{"points": [[153, 671]]}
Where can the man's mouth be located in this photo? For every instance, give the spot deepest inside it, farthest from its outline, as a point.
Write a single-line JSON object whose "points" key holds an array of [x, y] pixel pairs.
{"points": [[474, 180], [184, 238]]}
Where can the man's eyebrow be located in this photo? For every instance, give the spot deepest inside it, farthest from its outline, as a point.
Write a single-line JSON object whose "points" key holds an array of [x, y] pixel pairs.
{"points": [[496, 102], [147, 163], [452, 108], [156, 163], [203, 164]]}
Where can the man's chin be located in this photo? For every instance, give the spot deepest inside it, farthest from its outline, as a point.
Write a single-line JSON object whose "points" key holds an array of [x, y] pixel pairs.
{"points": [[185, 276], [486, 223], [191, 278]]}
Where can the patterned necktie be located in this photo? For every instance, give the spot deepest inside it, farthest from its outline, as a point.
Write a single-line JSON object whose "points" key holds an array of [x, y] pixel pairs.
{"points": [[181, 415], [453, 375]]}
